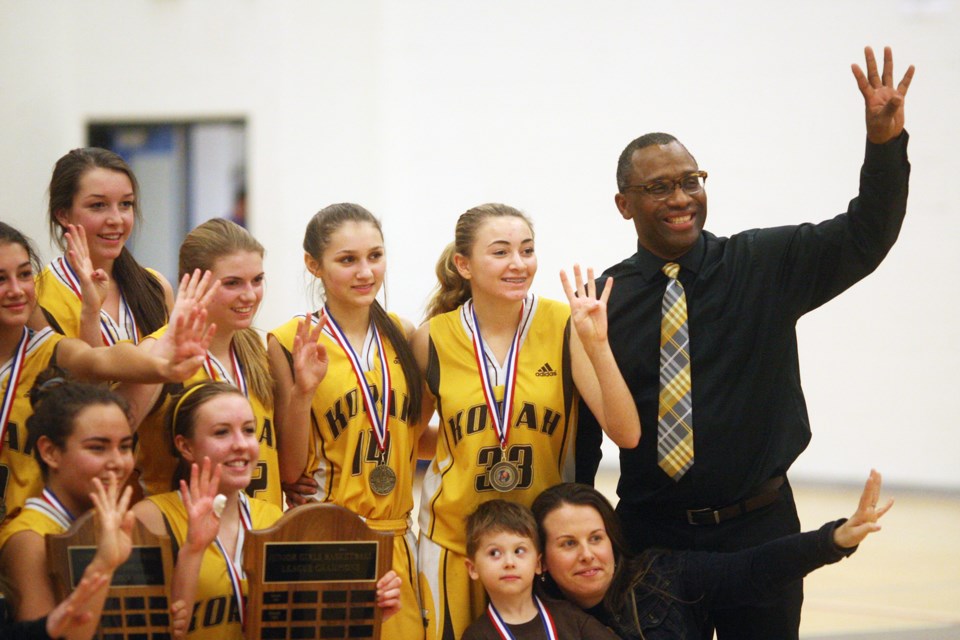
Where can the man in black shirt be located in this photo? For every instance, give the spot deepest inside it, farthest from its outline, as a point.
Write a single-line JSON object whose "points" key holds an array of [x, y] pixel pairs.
{"points": [[744, 295]]}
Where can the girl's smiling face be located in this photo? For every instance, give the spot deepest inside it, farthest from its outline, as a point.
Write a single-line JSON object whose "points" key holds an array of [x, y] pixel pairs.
{"points": [[17, 292], [104, 205], [241, 290], [352, 266], [100, 445], [225, 431]]}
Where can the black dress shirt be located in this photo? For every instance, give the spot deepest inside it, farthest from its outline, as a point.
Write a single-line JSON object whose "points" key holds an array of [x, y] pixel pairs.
{"points": [[744, 297]]}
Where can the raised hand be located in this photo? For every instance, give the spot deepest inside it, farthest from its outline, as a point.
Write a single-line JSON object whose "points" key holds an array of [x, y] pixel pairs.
{"points": [[309, 356], [203, 524], [71, 613], [864, 521], [588, 314], [94, 283], [883, 102], [388, 593], [196, 290], [189, 338], [114, 522]]}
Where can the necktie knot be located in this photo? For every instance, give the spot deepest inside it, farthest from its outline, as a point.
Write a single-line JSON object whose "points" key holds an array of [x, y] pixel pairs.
{"points": [[671, 269]]}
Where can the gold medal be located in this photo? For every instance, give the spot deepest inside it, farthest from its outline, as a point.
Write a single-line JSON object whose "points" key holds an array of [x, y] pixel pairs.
{"points": [[382, 480], [504, 476]]}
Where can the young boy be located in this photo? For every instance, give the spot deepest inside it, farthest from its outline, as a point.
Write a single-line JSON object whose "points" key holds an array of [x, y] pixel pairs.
{"points": [[503, 553]]}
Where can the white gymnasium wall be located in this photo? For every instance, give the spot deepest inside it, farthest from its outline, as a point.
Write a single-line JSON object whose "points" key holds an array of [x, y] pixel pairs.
{"points": [[419, 110]]}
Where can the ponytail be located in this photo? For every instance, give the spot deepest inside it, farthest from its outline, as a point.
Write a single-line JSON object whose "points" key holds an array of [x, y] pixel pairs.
{"points": [[408, 363], [452, 288]]}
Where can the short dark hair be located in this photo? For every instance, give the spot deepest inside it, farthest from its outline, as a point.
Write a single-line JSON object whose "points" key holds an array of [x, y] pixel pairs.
{"points": [[10, 235], [500, 516], [625, 163]]}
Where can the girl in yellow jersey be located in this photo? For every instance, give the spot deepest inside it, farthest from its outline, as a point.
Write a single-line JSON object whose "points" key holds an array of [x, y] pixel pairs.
{"points": [[211, 424], [356, 433], [506, 372], [215, 433], [95, 190], [24, 353], [82, 440], [237, 355]]}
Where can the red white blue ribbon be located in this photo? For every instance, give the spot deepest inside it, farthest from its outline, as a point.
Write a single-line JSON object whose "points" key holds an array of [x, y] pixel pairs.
{"points": [[216, 371], [500, 414], [110, 331], [49, 505], [235, 574], [549, 626], [379, 420], [10, 394]]}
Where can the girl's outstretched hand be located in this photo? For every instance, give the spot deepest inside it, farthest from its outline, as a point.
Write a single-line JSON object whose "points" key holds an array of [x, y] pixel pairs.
{"points": [[203, 524], [114, 522]]}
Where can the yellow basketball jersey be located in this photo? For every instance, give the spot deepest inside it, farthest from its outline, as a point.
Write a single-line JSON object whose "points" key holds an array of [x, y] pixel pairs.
{"points": [[156, 463], [215, 614], [542, 427], [343, 447], [62, 306], [30, 520], [19, 472]]}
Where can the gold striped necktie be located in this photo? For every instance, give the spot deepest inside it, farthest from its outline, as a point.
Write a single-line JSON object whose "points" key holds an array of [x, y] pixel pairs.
{"points": [[675, 410]]}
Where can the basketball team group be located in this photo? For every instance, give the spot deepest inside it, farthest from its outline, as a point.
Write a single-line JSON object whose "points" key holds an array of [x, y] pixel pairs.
{"points": [[142, 400]]}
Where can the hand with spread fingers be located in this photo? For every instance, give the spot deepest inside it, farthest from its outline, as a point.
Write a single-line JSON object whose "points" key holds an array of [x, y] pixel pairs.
{"points": [[864, 521], [114, 523], [587, 313], [883, 102], [198, 497]]}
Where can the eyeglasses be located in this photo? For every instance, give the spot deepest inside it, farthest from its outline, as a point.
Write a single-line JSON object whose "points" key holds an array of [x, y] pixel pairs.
{"points": [[691, 184]]}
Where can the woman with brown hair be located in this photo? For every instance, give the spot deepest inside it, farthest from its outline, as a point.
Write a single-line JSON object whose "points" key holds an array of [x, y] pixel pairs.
{"points": [[95, 193]]}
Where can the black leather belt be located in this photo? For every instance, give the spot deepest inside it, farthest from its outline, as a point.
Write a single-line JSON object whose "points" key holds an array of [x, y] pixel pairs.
{"points": [[767, 494]]}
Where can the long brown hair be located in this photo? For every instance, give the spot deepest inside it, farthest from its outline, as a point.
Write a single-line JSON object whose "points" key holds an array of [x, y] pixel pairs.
{"points": [[202, 247], [316, 239], [142, 291], [452, 289]]}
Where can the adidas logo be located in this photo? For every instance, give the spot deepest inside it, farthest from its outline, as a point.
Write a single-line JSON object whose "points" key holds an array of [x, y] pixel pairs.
{"points": [[546, 370]]}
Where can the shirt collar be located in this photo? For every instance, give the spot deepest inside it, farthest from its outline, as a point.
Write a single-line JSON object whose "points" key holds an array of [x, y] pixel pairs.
{"points": [[650, 264]]}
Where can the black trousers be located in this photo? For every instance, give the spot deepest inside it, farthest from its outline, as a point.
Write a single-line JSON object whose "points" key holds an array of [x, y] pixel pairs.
{"points": [[779, 617]]}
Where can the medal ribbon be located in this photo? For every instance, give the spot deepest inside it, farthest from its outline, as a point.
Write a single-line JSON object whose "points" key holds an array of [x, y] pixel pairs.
{"points": [[10, 395], [499, 416], [380, 421], [233, 573], [216, 371], [51, 506], [110, 331], [549, 626]]}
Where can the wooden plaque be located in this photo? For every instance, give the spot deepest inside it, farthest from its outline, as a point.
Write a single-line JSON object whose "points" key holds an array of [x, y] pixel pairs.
{"points": [[314, 575], [137, 604]]}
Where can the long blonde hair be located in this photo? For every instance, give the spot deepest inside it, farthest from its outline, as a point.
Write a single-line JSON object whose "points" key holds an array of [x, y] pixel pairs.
{"points": [[202, 247], [452, 289]]}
